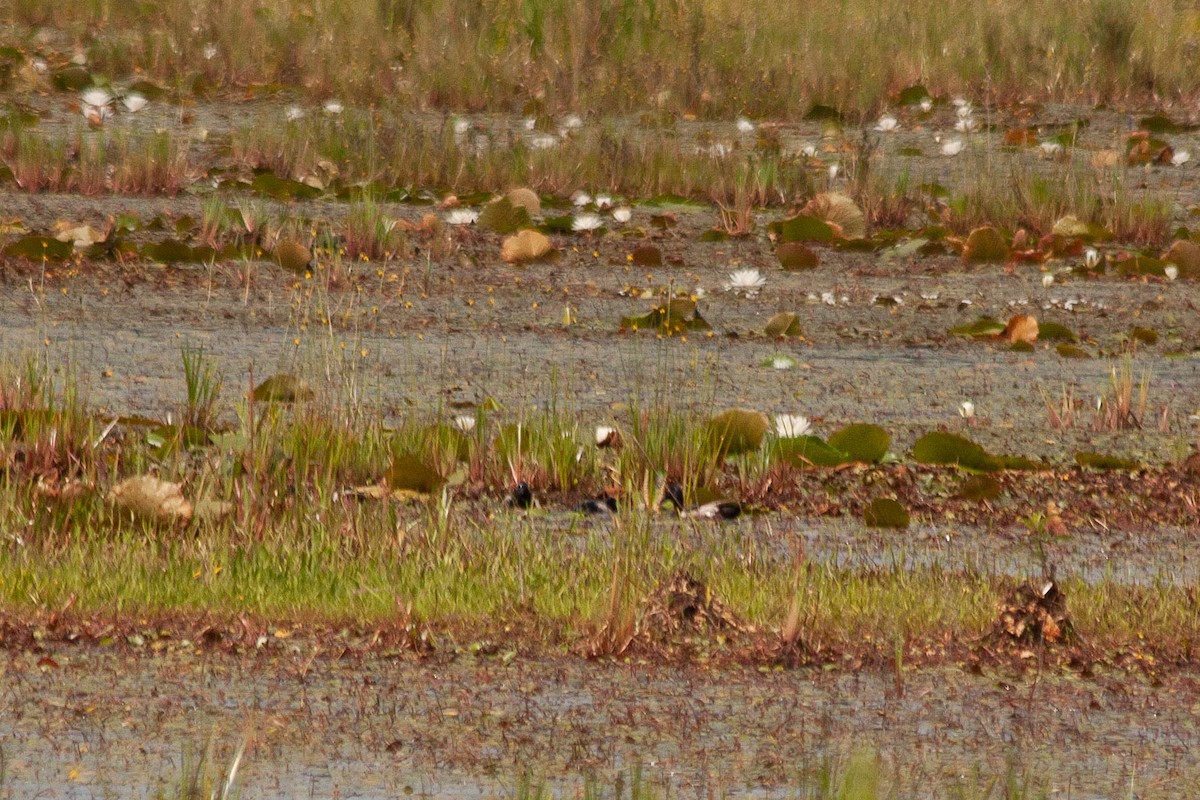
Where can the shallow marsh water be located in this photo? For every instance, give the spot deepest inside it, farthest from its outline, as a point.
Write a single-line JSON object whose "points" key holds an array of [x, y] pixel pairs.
{"points": [[101, 724], [97, 723]]}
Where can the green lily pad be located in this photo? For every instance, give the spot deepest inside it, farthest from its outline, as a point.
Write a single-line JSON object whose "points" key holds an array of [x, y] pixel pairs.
{"points": [[173, 251], [676, 316], [907, 249], [408, 473], [785, 323], [985, 245], [984, 326], [1072, 351], [980, 489], [1054, 332], [862, 442], [37, 248], [1099, 461], [883, 512], [1020, 464], [940, 447], [1143, 335], [562, 224], [282, 389], [823, 113], [1142, 265], [1158, 123], [913, 96], [794, 256], [738, 430], [502, 217], [808, 451], [71, 78], [270, 185], [802, 228], [147, 89], [1071, 227]]}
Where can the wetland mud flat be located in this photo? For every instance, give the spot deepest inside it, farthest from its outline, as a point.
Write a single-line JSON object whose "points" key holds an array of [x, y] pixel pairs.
{"points": [[106, 724], [464, 330]]}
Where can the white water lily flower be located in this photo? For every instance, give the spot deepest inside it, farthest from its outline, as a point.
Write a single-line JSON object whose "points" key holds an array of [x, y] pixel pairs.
{"points": [[96, 98], [833, 171], [963, 110], [1048, 280], [952, 147], [960, 103], [966, 409], [543, 141], [293, 113], [1180, 157], [572, 122], [210, 52], [780, 361], [829, 298], [745, 281], [461, 126], [1091, 258], [580, 198], [604, 201], [1050, 148], [333, 107], [790, 426], [465, 422], [1171, 272], [586, 222], [926, 105], [744, 125], [462, 216], [40, 66], [622, 214], [809, 151], [965, 125], [134, 102], [887, 124]]}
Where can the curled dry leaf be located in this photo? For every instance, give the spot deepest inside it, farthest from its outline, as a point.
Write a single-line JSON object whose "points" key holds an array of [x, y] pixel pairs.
{"points": [[1185, 255], [525, 245], [1021, 328], [148, 496], [527, 199], [840, 212]]}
